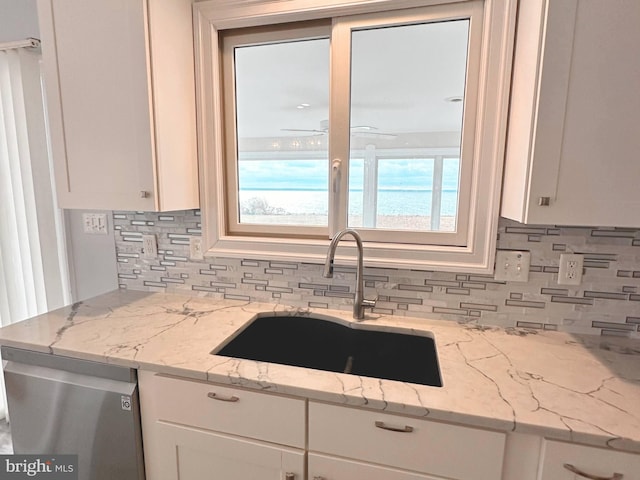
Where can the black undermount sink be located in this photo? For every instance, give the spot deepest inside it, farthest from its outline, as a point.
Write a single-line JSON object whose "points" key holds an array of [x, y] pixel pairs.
{"points": [[325, 345]]}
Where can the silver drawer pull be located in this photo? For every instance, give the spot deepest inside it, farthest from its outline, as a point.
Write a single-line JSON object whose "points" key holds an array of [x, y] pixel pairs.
{"points": [[577, 471], [215, 396], [384, 426], [289, 476]]}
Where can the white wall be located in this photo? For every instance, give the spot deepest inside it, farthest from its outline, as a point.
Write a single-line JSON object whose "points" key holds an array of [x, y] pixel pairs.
{"points": [[92, 258]]}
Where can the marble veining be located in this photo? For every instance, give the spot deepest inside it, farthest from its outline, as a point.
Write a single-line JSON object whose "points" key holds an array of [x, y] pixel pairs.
{"points": [[564, 386]]}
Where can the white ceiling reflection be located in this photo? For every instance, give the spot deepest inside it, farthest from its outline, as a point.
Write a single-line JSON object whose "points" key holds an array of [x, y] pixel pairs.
{"points": [[403, 79]]}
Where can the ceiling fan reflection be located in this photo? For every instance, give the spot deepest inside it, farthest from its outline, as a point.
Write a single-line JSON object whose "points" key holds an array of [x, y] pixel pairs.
{"points": [[356, 130]]}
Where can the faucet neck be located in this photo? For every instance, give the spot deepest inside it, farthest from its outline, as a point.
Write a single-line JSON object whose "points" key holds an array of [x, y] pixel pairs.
{"points": [[359, 302]]}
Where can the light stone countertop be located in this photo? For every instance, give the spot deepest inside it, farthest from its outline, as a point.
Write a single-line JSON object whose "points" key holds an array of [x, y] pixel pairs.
{"points": [[583, 389]]}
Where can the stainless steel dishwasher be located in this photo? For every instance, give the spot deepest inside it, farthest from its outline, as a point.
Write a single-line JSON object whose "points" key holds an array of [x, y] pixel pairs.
{"points": [[59, 405]]}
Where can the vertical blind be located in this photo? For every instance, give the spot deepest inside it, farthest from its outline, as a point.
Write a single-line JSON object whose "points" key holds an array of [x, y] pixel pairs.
{"points": [[33, 264]]}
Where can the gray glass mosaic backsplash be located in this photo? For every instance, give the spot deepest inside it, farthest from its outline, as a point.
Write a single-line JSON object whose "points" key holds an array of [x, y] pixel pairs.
{"points": [[607, 302]]}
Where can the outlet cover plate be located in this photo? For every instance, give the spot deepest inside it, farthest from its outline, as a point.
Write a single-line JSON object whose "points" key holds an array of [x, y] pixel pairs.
{"points": [[195, 248], [512, 265], [570, 269], [149, 246]]}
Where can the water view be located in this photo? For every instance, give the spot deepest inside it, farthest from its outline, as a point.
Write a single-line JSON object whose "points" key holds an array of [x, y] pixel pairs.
{"points": [[294, 192]]}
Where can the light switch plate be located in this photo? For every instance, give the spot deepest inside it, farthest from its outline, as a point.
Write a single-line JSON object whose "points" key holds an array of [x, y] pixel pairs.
{"points": [[512, 266], [94, 223]]}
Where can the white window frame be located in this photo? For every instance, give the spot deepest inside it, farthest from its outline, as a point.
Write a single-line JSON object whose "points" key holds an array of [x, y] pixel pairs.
{"points": [[477, 255]]}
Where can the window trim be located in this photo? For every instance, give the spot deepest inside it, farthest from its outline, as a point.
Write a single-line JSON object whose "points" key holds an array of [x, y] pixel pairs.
{"points": [[493, 94]]}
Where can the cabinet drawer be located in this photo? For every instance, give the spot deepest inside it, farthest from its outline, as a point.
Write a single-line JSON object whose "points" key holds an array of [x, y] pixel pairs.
{"points": [[321, 466], [429, 447], [240, 412], [593, 461]]}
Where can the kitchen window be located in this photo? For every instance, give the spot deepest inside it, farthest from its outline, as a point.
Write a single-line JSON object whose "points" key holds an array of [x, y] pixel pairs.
{"points": [[380, 121]]}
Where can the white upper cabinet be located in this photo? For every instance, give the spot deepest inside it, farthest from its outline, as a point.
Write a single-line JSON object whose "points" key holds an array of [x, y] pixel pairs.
{"points": [[119, 79], [574, 135]]}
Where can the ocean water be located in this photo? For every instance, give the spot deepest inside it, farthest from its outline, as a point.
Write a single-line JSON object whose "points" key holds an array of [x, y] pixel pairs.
{"points": [[310, 202], [299, 187]]}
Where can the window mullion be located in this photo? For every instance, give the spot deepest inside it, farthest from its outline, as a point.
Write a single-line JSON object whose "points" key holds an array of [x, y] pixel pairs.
{"points": [[339, 125], [370, 188], [436, 192]]}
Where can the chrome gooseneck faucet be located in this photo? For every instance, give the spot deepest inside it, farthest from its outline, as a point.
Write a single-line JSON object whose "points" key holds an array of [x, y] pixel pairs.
{"points": [[360, 303]]}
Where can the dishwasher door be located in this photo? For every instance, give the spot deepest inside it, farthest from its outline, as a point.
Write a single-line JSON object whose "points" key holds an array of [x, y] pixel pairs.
{"points": [[59, 405]]}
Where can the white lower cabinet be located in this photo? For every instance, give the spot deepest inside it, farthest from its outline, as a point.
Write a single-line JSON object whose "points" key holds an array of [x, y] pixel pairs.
{"points": [[194, 429], [192, 454], [566, 461], [380, 445], [323, 467], [531, 457]]}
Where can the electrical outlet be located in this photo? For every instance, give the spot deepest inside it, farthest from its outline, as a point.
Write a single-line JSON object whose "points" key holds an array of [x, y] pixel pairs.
{"points": [[512, 265], [149, 246], [570, 269], [195, 248]]}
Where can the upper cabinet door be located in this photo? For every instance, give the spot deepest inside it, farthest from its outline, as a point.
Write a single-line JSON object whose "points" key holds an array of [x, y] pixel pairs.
{"points": [[120, 89], [573, 141]]}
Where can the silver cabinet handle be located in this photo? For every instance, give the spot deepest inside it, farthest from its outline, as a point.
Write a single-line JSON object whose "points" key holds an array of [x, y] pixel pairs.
{"points": [[215, 396], [577, 471], [384, 426], [289, 476]]}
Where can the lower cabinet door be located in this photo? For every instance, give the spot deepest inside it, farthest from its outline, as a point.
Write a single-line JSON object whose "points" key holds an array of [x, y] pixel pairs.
{"points": [[185, 453], [322, 467]]}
